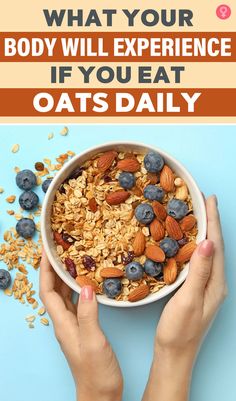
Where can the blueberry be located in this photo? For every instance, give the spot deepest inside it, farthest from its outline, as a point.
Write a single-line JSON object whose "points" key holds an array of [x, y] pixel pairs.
{"points": [[26, 180], [46, 184], [5, 279], [169, 246], [25, 228], [153, 268], [126, 180], [152, 192], [144, 213], [112, 287], [28, 200], [134, 271], [153, 162], [177, 208]]}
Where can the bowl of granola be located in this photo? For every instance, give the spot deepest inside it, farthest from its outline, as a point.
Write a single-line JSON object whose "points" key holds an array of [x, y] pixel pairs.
{"points": [[125, 218]]}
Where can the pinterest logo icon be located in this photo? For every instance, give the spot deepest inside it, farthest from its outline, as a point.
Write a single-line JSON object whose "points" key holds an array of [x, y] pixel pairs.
{"points": [[223, 11]]}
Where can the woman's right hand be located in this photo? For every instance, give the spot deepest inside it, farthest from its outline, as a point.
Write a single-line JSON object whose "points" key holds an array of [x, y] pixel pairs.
{"points": [[187, 316]]}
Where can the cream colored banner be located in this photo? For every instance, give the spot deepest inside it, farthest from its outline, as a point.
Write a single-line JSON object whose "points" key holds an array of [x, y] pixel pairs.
{"points": [[27, 15], [196, 75]]}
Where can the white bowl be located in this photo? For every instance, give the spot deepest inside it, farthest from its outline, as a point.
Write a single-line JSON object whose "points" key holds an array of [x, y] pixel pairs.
{"points": [[47, 235]]}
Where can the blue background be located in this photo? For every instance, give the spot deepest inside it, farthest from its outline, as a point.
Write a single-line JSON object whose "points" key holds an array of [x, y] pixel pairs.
{"points": [[32, 366]]}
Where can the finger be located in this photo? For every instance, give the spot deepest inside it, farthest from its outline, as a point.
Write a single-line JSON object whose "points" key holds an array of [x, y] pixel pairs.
{"points": [[66, 293], [214, 233], [47, 275], [70, 306], [87, 313], [51, 299], [58, 282], [200, 267]]}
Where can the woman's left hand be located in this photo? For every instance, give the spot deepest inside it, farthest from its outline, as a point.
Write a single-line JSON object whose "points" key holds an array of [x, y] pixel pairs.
{"points": [[90, 357]]}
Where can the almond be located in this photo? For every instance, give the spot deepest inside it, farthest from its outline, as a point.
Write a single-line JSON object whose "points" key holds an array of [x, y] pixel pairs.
{"points": [[60, 241], [157, 230], [129, 165], [93, 206], [173, 228], [138, 293], [109, 272], [153, 178], [155, 253], [170, 271], [139, 244], [167, 179], [159, 210], [117, 197], [188, 222], [105, 161], [84, 280], [182, 193], [185, 252]]}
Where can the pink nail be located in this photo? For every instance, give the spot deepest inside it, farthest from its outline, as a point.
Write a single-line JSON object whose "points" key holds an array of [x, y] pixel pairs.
{"points": [[86, 293], [206, 248]]}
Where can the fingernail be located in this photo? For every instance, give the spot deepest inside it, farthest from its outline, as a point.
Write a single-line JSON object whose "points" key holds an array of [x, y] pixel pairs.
{"points": [[86, 293], [206, 248]]}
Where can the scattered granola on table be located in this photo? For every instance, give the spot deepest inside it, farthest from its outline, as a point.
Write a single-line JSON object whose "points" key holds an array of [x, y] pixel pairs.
{"points": [[17, 250], [123, 223]]}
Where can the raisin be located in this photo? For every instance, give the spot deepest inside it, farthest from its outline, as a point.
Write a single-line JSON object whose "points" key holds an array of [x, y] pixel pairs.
{"points": [[88, 262], [182, 241], [59, 240], [127, 259], [71, 268], [106, 178], [76, 173], [62, 189], [67, 237]]}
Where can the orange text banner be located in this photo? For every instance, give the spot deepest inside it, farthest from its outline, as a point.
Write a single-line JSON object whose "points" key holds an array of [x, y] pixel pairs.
{"points": [[122, 46], [148, 102]]}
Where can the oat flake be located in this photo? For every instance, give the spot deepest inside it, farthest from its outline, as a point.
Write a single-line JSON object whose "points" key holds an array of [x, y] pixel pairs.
{"points": [[15, 148]]}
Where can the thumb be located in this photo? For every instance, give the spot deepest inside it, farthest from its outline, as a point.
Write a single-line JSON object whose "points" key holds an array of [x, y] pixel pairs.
{"points": [[87, 313], [200, 266]]}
